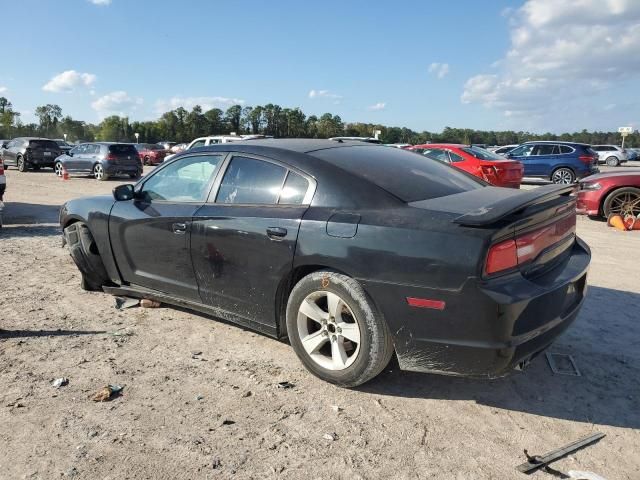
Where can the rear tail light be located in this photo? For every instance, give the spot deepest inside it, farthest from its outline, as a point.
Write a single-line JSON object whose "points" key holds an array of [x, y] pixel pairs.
{"points": [[490, 173], [586, 158], [1, 168], [511, 253], [110, 157]]}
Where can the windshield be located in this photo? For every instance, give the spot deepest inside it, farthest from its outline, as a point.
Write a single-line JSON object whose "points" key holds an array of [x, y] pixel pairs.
{"points": [[481, 153], [156, 147], [408, 176]]}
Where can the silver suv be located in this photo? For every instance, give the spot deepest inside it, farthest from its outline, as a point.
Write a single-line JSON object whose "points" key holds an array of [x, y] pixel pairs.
{"points": [[612, 155]]}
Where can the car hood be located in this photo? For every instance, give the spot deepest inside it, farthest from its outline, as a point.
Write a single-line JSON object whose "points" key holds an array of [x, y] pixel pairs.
{"points": [[607, 175]]}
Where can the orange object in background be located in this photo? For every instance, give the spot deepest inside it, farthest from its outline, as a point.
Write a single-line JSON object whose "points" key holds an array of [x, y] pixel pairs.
{"points": [[65, 174], [616, 221], [632, 223]]}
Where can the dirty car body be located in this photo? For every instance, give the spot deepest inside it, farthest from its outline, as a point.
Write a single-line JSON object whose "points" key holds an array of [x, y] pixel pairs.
{"points": [[470, 279]]}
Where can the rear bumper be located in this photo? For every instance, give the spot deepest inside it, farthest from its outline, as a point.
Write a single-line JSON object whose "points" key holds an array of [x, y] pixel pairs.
{"points": [[487, 328], [122, 169], [41, 161]]}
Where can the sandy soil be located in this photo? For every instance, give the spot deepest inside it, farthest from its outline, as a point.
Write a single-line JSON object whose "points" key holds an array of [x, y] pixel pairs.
{"points": [[201, 397]]}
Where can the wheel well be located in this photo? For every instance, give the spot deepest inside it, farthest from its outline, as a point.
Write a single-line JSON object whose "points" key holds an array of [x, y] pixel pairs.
{"points": [[284, 290]]}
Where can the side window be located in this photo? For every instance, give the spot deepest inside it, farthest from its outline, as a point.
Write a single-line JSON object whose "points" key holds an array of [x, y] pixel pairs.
{"points": [[81, 149], [294, 190], [91, 149], [565, 149], [522, 151], [252, 181], [435, 154], [545, 150], [595, 148], [455, 157], [199, 143], [187, 180]]}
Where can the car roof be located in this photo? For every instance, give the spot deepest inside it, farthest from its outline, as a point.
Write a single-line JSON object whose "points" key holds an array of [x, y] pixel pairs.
{"points": [[559, 142]]}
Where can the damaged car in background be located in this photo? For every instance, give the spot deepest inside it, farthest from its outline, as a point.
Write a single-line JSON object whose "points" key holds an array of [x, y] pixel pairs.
{"points": [[353, 252]]}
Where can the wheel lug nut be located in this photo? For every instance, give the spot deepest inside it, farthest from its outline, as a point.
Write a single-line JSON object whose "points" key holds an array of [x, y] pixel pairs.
{"points": [[334, 338], [339, 330]]}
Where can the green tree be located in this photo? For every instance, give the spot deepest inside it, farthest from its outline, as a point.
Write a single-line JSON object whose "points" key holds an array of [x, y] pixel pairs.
{"points": [[48, 115]]}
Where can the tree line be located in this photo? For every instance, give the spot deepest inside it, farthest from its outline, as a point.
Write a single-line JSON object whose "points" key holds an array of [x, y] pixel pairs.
{"points": [[181, 125]]}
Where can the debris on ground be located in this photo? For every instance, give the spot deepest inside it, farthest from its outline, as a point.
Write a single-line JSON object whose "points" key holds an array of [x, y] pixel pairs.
{"points": [[215, 463], [107, 393], [246, 394], [199, 397], [285, 385], [227, 422], [535, 462], [562, 364], [126, 302], [148, 303], [578, 475], [336, 408], [60, 382], [332, 437]]}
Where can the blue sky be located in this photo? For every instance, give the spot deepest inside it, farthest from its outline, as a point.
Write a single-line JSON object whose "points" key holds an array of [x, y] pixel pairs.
{"points": [[540, 65]]}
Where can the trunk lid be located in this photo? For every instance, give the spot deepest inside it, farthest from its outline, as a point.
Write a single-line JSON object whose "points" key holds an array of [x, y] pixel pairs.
{"points": [[124, 154], [528, 230]]}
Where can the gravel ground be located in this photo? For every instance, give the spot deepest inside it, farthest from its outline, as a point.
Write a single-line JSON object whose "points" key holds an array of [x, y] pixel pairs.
{"points": [[201, 397]]}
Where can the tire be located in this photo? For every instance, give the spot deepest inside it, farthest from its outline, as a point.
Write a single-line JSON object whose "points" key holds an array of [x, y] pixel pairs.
{"points": [[84, 252], [146, 161], [612, 161], [99, 173], [563, 175], [623, 201], [135, 175], [21, 164], [58, 169], [330, 355]]}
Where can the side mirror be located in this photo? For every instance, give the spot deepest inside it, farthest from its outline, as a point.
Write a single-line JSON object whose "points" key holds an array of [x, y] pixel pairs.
{"points": [[70, 153], [123, 193], [4, 145]]}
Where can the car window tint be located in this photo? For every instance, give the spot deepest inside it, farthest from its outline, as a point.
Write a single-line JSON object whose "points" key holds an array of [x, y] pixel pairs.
{"points": [[522, 151], [294, 190], [401, 173], [544, 150], [251, 181], [199, 143], [565, 149], [186, 180], [455, 157], [43, 144]]}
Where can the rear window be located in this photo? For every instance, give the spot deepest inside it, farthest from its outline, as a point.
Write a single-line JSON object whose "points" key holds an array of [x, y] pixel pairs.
{"points": [[43, 144], [406, 175], [481, 153], [123, 150]]}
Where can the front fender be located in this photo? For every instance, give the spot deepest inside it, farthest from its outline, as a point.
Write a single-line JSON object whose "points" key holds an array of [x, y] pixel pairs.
{"points": [[94, 212]]}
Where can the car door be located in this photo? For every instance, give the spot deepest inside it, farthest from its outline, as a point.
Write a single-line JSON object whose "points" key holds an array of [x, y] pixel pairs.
{"points": [[544, 159], [243, 242], [524, 154], [150, 235], [73, 161], [8, 154]]}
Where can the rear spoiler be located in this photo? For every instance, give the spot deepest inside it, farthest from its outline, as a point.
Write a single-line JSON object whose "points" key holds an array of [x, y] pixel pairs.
{"points": [[494, 212]]}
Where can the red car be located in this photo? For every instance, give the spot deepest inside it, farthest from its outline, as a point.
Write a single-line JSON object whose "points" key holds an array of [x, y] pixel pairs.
{"points": [[151, 154], [606, 193], [477, 161]]}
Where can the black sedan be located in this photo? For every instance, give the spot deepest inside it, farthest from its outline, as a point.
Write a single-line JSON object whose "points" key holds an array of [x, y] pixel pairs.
{"points": [[351, 251]]}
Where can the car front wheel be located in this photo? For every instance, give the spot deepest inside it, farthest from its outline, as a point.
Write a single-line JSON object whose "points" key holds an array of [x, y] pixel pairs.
{"points": [[336, 330], [58, 169], [563, 176], [22, 165], [624, 201], [99, 173]]}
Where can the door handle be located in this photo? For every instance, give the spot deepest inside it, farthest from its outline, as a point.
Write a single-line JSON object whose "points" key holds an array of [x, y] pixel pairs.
{"points": [[179, 228], [276, 232]]}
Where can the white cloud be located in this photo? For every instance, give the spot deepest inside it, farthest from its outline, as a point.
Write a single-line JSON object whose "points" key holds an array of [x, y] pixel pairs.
{"points": [[562, 54], [116, 103], [3, 89], [439, 69], [207, 103], [377, 106], [101, 3], [68, 81], [324, 94]]}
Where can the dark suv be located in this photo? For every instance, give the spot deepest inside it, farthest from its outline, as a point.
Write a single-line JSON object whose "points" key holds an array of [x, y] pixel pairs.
{"points": [[101, 159], [30, 153], [560, 162]]}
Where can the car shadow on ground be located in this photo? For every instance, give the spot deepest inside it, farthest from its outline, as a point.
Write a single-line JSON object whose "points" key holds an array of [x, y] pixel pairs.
{"points": [[4, 334], [603, 341]]}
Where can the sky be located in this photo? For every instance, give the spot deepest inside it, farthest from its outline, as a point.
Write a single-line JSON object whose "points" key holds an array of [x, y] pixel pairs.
{"points": [[531, 65]]}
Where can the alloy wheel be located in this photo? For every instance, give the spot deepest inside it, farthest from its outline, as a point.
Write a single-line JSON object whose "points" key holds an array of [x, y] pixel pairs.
{"points": [[21, 165], [58, 169], [328, 330], [562, 176], [625, 203], [612, 162], [98, 172]]}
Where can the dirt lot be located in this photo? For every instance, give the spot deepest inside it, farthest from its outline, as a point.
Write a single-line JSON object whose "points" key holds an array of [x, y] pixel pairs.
{"points": [[220, 414]]}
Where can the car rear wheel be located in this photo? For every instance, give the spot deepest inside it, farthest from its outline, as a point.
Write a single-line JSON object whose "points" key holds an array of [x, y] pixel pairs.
{"points": [[21, 164], [336, 330], [58, 169], [624, 201], [84, 251], [99, 173], [146, 161], [563, 175], [612, 161]]}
